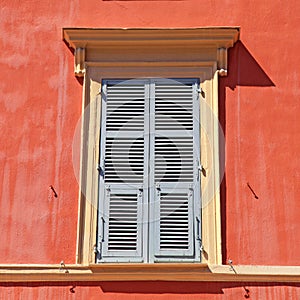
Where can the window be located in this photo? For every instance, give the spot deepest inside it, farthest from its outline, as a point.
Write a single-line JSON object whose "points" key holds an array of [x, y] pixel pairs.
{"points": [[197, 56], [149, 196]]}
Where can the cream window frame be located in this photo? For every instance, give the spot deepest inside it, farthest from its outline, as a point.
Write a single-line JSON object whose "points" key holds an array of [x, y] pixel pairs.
{"points": [[135, 53]]}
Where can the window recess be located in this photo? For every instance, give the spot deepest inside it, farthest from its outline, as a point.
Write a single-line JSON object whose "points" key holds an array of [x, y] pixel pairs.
{"points": [[150, 53]]}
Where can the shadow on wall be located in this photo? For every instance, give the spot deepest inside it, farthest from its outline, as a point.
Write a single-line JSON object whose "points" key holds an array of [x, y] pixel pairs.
{"points": [[134, 290], [243, 70]]}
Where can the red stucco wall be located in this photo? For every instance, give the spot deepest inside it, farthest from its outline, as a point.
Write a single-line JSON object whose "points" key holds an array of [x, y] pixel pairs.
{"points": [[151, 290], [259, 111]]}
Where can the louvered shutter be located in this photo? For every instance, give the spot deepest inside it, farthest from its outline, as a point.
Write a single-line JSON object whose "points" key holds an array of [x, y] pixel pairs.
{"points": [[175, 189], [149, 182], [123, 171]]}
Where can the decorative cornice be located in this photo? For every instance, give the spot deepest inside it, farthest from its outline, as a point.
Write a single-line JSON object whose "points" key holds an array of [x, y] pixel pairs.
{"points": [[216, 39]]}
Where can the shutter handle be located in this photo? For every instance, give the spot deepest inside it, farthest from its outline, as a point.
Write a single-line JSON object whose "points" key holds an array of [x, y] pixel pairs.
{"points": [[198, 229], [102, 235]]}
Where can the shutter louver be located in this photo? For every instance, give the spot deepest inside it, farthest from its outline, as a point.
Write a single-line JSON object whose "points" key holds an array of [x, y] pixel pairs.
{"points": [[174, 159], [123, 218], [124, 159], [175, 222], [173, 107], [125, 107]]}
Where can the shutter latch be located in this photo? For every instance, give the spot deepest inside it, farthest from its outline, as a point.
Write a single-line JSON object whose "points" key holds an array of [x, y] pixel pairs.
{"points": [[98, 247], [97, 250], [198, 229], [198, 238]]}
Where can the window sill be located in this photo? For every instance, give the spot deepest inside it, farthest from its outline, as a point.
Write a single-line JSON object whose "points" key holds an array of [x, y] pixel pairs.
{"points": [[148, 272]]}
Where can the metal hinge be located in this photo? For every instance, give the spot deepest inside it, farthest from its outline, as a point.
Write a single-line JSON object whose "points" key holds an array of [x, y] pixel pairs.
{"points": [[96, 249], [200, 169], [201, 247], [100, 168], [201, 92], [103, 92], [99, 92]]}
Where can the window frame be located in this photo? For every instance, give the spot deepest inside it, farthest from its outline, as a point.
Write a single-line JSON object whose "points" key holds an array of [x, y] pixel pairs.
{"points": [[135, 53]]}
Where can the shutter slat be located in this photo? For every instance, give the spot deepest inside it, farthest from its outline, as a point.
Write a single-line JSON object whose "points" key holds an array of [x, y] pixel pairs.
{"points": [[173, 107], [170, 150], [120, 99], [128, 151]]}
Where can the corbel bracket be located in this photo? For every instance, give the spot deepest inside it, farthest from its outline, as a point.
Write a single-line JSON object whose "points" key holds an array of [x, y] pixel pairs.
{"points": [[222, 61], [79, 61]]}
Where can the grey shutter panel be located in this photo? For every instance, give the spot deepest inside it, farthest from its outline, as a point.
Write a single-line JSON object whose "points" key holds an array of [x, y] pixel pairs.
{"points": [[149, 185], [123, 171], [175, 143]]}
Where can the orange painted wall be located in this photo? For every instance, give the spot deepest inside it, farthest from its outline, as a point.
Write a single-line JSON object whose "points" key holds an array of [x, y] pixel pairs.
{"points": [[150, 291], [259, 111]]}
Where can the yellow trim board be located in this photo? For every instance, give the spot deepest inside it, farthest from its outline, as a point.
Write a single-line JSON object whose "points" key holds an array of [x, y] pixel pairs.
{"points": [[148, 272]]}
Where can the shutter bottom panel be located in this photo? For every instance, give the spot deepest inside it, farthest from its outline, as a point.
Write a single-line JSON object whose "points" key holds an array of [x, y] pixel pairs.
{"points": [[175, 227], [122, 226], [174, 222]]}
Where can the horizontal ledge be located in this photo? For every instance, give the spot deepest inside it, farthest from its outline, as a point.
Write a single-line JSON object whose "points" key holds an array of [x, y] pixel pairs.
{"points": [[148, 272], [157, 64], [80, 37]]}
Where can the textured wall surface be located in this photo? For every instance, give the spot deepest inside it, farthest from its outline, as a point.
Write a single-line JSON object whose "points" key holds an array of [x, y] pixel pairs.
{"points": [[259, 112], [151, 290]]}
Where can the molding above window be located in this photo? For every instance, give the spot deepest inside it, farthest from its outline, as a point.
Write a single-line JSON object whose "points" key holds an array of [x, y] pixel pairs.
{"points": [[150, 46]]}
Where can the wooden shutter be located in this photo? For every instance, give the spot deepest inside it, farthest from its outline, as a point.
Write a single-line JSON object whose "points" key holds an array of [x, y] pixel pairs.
{"points": [[123, 171], [175, 192], [149, 183]]}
